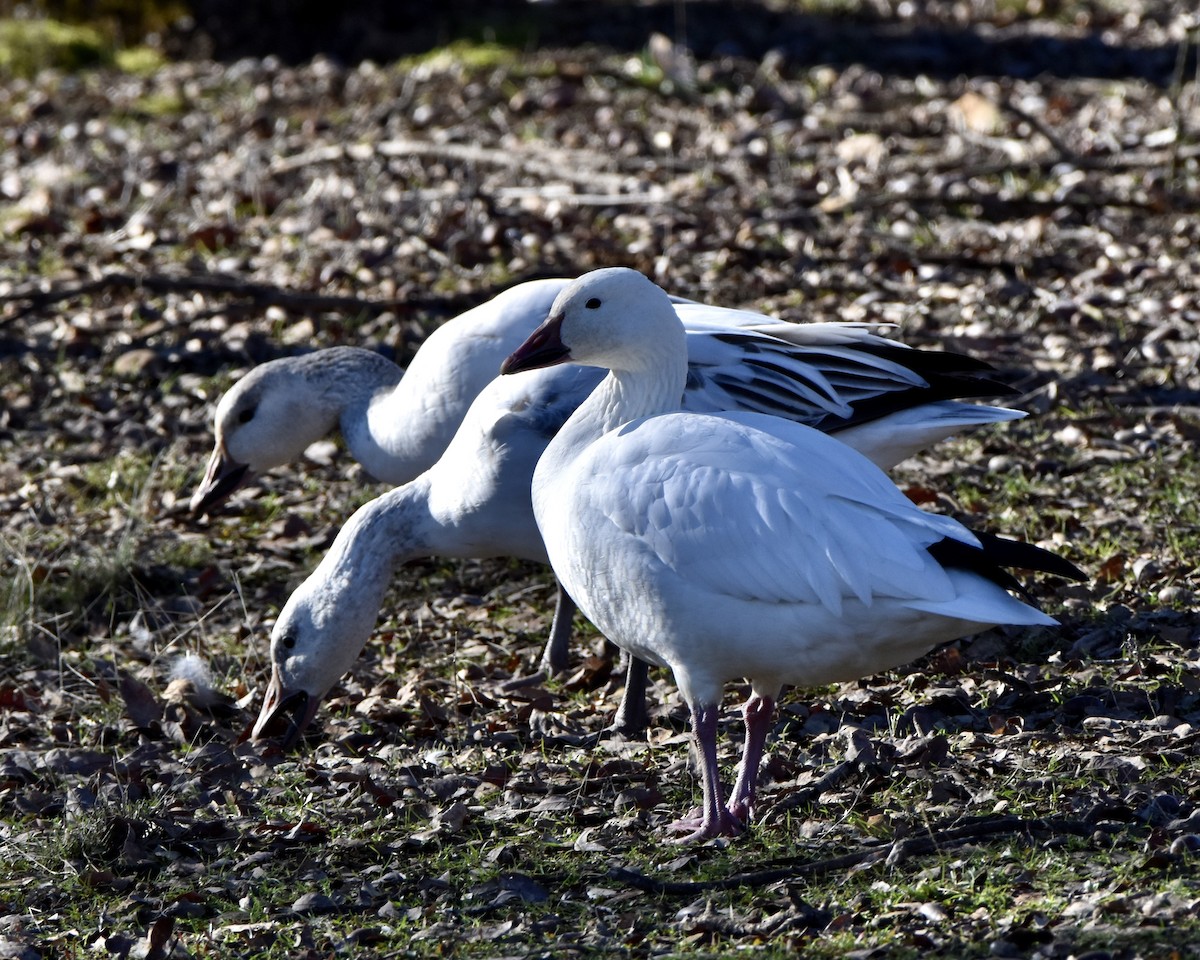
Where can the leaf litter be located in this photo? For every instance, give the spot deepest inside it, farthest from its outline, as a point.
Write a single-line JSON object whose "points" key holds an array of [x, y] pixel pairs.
{"points": [[1045, 222]]}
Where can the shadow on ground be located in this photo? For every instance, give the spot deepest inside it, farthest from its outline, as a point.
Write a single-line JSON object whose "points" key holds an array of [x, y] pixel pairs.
{"points": [[382, 31]]}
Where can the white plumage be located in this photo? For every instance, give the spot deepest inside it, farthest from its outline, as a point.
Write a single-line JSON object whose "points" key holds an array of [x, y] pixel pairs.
{"points": [[396, 423], [734, 545]]}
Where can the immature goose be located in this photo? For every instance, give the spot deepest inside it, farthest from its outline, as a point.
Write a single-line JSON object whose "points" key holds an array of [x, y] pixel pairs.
{"points": [[395, 422], [738, 545], [475, 501]]}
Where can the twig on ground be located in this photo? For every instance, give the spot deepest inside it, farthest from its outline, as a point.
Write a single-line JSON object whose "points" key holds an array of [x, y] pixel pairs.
{"points": [[38, 298], [892, 852], [1065, 153], [812, 793], [576, 166]]}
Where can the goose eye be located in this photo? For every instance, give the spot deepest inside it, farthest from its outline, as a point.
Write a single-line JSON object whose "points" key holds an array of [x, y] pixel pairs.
{"points": [[593, 303], [288, 641], [246, 415]]}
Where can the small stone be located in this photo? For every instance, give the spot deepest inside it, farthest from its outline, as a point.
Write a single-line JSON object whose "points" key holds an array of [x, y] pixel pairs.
{"points": [[134, 363], [1174, 593], [1187, 844]]}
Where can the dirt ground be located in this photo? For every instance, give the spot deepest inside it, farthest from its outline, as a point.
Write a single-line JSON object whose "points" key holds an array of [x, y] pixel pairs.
{"points": [[1023, 190]]}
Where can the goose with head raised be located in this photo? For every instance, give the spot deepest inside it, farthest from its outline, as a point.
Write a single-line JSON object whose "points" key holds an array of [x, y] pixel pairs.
{"points": [[474, 502], [738, 545]]}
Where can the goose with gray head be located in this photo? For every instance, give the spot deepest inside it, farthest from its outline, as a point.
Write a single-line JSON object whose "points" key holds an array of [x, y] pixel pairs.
{"points": [[396, 423], [474, 502], [739, 545]]}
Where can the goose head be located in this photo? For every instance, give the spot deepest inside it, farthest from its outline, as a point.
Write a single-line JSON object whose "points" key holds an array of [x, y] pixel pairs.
{"points": [[266, 419], [611, 318], [319, 634]]}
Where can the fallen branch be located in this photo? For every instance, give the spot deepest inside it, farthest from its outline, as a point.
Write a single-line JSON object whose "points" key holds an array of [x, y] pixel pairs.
{"points": [[811, 794], [889, 852], [961, 170], [1065, 153], [38, 298], [589, 168]]}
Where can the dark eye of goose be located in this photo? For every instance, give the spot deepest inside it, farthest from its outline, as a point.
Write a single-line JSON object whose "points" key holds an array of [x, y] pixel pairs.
{"points": [[246, 415], [288, 640], [593, 304]]}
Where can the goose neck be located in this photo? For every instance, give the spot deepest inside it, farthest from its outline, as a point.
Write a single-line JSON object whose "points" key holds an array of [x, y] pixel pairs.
{"points": [[382, 534], [622, 396]]}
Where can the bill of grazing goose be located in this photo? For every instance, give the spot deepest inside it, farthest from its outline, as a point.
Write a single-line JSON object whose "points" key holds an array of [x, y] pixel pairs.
{"points": [[739, 545], [474, 502]]}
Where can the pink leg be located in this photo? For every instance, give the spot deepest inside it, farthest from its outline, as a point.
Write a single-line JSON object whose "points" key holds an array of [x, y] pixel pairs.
{"points": [[758, 712], [714, 820]]}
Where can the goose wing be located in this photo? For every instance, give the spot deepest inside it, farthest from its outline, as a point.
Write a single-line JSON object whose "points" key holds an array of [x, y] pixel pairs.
{"points": [[828, 375], [763, 510]]}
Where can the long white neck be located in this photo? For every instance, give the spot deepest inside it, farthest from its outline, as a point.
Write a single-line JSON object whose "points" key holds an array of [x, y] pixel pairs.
{"points": [[378, 537], [405, 429], [397, 423], [389, 433], [358, 386], [644, 386], [335, 609]]}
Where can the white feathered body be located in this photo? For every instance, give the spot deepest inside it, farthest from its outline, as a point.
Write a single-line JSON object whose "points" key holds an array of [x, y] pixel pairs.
{"points": [[679, 533]]}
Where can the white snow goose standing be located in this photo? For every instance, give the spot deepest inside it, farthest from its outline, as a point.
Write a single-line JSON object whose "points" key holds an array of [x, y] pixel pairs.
{"points": [[738, 545]]}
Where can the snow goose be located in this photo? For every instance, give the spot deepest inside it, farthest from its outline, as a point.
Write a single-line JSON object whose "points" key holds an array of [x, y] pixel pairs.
{"points": [[396, 423], [475, 502], [739, 545]]}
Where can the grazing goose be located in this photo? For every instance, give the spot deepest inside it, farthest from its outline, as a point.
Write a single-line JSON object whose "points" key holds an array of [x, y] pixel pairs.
{"points": [[739, 545], [474, 502], [396, 423]]}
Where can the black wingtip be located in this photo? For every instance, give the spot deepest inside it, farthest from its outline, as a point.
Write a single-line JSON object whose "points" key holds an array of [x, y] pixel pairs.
{"points": [[1028, 556], [995, 554]]}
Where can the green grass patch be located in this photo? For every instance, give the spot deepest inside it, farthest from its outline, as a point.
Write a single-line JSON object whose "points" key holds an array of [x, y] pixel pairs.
{"points": [[27, 46], [468, 54], [143, 61]]}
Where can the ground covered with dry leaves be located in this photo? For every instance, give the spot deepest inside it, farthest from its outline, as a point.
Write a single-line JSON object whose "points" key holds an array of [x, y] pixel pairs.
{"points": [[1017, 794]]}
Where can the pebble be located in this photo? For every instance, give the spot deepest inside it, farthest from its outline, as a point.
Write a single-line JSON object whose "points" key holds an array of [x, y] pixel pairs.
{"points": [[134, 363], [1174, 593]]}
